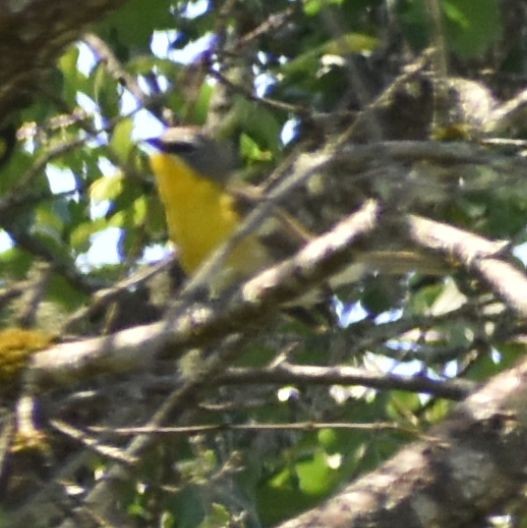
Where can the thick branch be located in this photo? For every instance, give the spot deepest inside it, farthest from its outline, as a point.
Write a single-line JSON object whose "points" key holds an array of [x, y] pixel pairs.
{"points": [[32, 35], [473, 462], [475, 253], [258, 297]]}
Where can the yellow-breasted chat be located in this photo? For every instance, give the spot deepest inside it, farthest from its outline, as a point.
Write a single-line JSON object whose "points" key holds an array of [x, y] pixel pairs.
{"points": [[193, 173]]}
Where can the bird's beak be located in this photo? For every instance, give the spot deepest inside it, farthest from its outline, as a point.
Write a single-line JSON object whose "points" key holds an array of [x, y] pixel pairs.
{"points": [[155, 142]]}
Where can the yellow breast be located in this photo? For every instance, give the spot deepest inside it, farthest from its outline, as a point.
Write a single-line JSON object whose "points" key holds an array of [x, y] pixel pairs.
{"points": [[201, 216]]}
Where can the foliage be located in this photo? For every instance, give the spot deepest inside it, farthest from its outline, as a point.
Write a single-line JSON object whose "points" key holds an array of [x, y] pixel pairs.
{"points": [[77, 193]]}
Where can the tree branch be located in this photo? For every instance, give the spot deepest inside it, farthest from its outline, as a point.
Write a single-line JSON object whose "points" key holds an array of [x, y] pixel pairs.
{"points": [[474, 461], [286, 373], [132, 348], [475, 253], [32, 36]]}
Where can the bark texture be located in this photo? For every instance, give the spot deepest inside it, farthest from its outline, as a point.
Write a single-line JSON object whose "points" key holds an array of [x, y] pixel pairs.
{"points": [[466, 467], [32, 35]]}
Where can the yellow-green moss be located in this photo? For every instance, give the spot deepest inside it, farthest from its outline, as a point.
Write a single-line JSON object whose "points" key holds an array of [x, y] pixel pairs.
{"points": [[16, 346]]}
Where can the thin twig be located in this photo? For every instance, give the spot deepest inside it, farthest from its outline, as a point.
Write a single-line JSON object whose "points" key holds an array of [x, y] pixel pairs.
{"points": [[93, 444], [257, 427], [105, 296]]}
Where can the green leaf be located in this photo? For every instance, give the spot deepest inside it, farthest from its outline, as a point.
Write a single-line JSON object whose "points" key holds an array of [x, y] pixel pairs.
{"points": [[316, 477], [132, 25], [18, 164], [81, 235], [72, 77], [200, 106], [280, 497], [352, 43], [328, 439], [402, 404], [15, 263], [60, 291], [313, 7], [140, 210], [260, 124], [107, 187], [483, 368], [218, 517], [106, 91], [49, 222], [438, 411], [341, 46], [250, 150], [473, 26], [121, 143]]}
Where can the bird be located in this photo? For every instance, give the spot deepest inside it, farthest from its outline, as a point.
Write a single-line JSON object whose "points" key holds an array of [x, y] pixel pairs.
{"points": [[194, 176]]}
